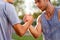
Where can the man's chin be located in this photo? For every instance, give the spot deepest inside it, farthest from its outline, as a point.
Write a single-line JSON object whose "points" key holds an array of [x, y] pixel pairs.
{"points": [[42, 10]]}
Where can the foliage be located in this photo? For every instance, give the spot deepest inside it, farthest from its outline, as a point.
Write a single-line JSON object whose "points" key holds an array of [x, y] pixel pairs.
{"points": [[19, 5], [35, 15]]}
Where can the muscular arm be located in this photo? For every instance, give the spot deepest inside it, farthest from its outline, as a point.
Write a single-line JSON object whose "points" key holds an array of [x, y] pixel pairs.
{"points": [[21, 29], [37, 31]]}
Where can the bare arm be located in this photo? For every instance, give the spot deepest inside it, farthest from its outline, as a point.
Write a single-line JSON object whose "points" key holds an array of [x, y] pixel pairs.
{"points": [[59, 14], [36, 32], [21, 29]]}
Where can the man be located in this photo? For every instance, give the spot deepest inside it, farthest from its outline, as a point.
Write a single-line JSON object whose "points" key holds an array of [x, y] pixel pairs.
{"points": [[8, 19], [48, 23]]}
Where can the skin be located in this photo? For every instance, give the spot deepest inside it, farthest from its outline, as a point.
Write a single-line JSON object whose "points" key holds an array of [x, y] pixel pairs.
{"points": [[21, 29], [11, 1], [44, 5]]}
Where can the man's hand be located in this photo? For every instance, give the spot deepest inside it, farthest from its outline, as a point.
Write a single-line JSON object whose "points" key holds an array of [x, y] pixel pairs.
{"points": [[28, 18]]}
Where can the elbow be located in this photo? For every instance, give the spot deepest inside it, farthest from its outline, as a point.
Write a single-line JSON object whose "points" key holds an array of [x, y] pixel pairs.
{"points": [[36, 36], [20, 33]]}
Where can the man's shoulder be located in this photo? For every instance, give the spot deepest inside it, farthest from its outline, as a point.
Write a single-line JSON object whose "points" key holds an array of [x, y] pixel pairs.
{"points": [[9, 5], [40, 17], [6, 5], [2, 4], [41, 14]]}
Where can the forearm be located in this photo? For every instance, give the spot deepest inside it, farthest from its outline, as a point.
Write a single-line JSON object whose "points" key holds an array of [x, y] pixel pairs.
{"points": [[21, 29], [26, 26], [34, 32], [37, 31]]}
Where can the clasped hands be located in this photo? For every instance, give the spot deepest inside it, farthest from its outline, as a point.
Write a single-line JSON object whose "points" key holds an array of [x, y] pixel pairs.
{"points": [[28, 18]]}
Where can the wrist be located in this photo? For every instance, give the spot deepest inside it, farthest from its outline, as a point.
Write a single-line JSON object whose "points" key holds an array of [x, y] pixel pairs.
{"points": [[30, 22]]}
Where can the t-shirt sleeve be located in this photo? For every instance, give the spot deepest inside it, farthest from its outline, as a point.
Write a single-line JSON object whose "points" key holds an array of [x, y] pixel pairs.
{"points": [[12, 14]]}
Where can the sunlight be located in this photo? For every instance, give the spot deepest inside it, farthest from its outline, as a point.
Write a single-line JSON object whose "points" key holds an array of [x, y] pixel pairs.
{"points": [[28, 5], [53, 0]]}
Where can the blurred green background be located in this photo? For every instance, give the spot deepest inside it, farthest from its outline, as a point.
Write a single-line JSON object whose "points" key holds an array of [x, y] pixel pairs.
{"points": [[28, 7], [25, 37]]}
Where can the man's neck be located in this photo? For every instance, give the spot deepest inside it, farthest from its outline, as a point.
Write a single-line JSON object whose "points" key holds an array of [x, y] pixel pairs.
{"points": [[50, 9], [49, 12]]}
